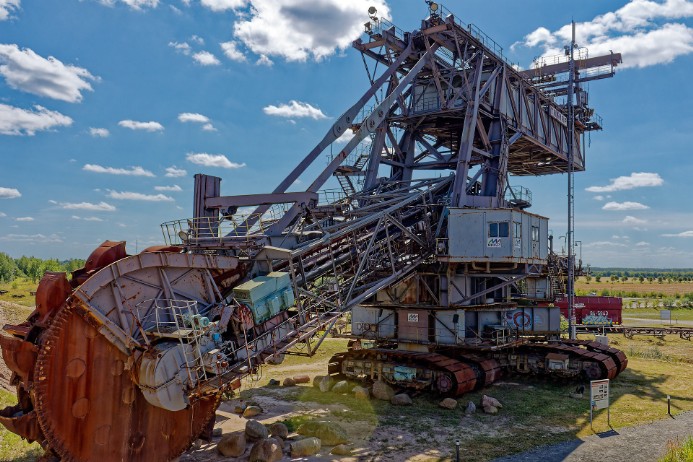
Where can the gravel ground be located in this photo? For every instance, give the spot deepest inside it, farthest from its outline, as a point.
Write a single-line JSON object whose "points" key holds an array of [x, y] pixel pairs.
{"points": [[644, 443]]}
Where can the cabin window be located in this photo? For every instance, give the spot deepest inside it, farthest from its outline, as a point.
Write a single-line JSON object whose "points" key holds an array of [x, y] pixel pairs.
{"points": [[501, 229]]}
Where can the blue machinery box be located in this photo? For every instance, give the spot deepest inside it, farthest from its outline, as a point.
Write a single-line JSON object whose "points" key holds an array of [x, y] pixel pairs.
{"points": [[266, 296]]}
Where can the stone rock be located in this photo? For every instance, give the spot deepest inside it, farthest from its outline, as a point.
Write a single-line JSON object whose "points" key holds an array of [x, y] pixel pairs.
{"points": [[341, 387], [252, 411], [402, 399], [330, 433], [493, 410], [448, 403], [305, 447], [217, 432], [576, 395], [279, 429], [489, 401], [326, 384], [266, 450], [254, 430], [471, 408], [273, 383], [341, 450], [361, 392], [302, 379], [238, 409], [276, 359], [232, 445], [383, 391], [316, 380], [289, 382]]}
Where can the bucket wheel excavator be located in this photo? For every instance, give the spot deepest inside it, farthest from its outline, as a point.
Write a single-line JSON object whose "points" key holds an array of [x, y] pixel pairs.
{"points": [[448, 278]]}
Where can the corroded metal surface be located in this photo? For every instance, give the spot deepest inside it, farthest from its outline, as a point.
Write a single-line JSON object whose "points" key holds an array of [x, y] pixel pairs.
{"points": [[101, 415]]}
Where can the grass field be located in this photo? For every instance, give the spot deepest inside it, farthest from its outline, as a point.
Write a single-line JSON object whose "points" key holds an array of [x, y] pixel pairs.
{"points": [[19, 291], [654, 314], [642, 289]]}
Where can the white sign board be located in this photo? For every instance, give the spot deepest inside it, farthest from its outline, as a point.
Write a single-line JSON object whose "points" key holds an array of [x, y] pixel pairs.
{"points": [[493, 242], [599, 394], [412, 317]]}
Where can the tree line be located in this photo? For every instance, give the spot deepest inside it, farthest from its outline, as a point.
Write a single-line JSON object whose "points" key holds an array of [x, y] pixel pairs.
{"points": [[33, 268], [650, 274]]}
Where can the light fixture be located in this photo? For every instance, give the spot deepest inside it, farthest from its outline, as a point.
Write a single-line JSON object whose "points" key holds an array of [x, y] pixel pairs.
{"points": [[433, 6], [372, 11]]}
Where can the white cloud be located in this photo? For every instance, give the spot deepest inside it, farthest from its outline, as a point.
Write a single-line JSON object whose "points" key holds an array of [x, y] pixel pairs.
{"points": [[17, 121], [7, 7], [232, 52], [99, 132], [630, 220], [297, 30], [635, 180], [134, 4], [174, 188], [598, 197], [75, 217], [682, 234], [26, 71], [197, 39], [212, 160], [598, 244], [345, 137], [642, 244], [175, 172], [636, 30], [183, 48], [222, 5], [205, 58], [2, 214], [132, 171], [38, 238], [193, 117], [150, 126], [24, 219], [263, 60], [295, 109], [9, 193], [621, 206], [100, 207], [133, 196]]}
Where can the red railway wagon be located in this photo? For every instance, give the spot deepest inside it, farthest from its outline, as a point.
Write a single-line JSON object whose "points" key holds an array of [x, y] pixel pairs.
{"points": [[594, 310]]}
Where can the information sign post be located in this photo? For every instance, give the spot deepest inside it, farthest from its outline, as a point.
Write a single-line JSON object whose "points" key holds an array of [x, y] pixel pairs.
{"points": [[599, 399]]}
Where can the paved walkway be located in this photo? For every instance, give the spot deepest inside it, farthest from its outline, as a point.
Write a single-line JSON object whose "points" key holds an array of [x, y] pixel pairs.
{"points": [[644, 443]]}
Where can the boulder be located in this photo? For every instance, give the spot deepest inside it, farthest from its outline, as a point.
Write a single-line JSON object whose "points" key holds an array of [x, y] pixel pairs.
{"points": [[341, 450], [489, 401], [289, 382], [448, 403], [361, 392], [383, 391], [266, 450], [341, 387], [254, 430], [316, 380], [273, 383], [402, 399], [576, 395], [252, 411], [305, 447], [217, 432], [276, 359], [326, 384], [493, 410], [330, 433], [239, 408], [280, 430], [302, 379], [232, 445], [470, 409]]}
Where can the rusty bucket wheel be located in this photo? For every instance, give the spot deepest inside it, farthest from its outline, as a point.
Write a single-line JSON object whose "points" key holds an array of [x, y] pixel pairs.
{"points": [[103, 416]]}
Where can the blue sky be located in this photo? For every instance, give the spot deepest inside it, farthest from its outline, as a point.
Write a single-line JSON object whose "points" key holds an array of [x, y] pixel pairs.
{"points": [[108, 108]]}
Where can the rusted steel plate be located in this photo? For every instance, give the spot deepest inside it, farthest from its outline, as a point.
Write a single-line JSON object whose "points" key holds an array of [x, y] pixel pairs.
{"points": [[24, 425], [19, 356], [89, 408], [51, 293]]}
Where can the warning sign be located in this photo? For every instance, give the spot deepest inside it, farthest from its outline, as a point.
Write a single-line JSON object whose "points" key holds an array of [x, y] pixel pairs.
{"points": [[599, 394]]}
